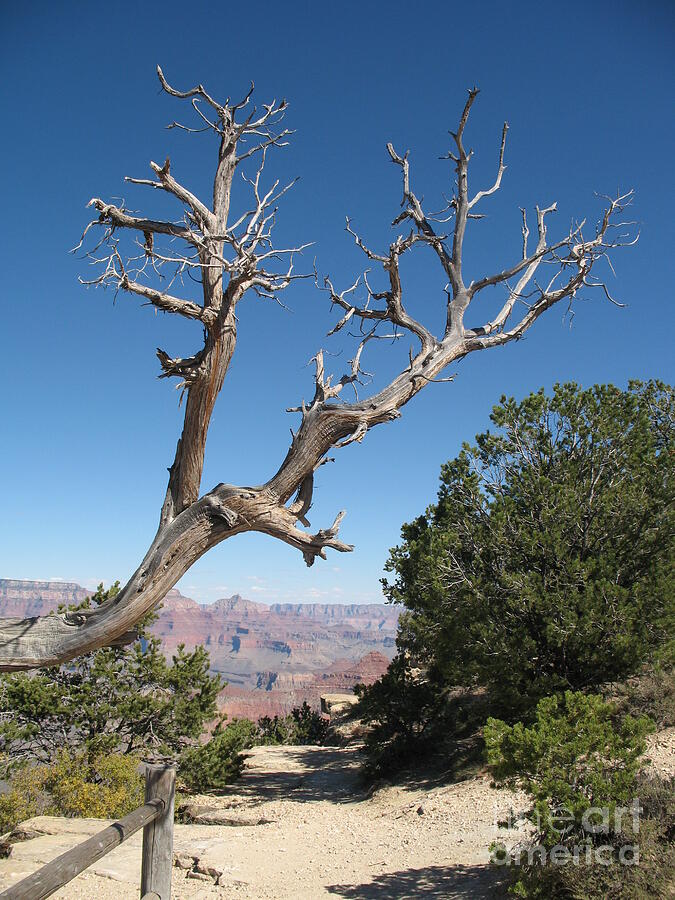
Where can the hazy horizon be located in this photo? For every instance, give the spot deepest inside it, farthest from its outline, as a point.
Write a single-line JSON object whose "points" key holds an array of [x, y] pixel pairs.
{"points": [[73, 582]]}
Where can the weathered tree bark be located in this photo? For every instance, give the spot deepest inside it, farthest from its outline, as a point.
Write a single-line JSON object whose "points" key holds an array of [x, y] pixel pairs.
{"points": [[233, 258]]}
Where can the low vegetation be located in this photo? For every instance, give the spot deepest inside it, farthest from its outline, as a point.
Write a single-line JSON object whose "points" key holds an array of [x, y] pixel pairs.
{"points": [[213, 765], [73, 784], [600, 828]]}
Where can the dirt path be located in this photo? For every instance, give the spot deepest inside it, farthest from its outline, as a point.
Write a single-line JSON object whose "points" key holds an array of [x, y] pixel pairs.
{"points": [[322, 837]]}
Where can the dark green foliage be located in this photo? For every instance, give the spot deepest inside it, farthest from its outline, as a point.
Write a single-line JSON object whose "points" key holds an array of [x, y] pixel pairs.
{"points": [[577, 756], [277, 730], [547, 562], [406, 713], [302, 726], [410, 718], [309, 726], [115, 699], [218, 762]]}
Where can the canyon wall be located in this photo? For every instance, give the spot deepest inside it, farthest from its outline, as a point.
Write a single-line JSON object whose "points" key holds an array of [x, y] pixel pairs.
{"points": [[272, 656]]}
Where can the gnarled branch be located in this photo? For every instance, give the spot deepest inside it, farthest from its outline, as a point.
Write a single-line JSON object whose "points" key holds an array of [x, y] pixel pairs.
{"points": [[231, 257]]}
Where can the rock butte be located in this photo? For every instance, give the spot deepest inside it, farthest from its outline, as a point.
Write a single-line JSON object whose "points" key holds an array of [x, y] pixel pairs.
{"points": [[273, 656]]}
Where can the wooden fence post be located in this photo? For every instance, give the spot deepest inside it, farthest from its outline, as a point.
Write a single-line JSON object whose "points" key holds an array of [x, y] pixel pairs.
{"points": [[157, 860]]}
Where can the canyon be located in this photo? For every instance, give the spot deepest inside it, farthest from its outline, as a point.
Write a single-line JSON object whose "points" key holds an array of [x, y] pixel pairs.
{"points": [[273, 657]]}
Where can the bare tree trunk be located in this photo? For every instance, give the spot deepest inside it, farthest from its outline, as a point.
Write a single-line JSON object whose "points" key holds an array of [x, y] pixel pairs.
{"points": [[233, 258]]}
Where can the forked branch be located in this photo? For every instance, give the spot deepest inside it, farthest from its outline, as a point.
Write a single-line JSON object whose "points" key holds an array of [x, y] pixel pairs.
{"points": [[232, 255]]}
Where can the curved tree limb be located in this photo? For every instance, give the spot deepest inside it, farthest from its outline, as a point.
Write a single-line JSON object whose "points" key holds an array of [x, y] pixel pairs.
{"points": [[232, 258]]}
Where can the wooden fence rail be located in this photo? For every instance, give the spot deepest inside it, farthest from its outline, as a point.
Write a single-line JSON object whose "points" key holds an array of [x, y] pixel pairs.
{"points": [[155, 817]]}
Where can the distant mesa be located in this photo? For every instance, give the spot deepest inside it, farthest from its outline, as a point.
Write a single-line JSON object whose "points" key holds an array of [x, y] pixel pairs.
{"points": [[273, 656]]}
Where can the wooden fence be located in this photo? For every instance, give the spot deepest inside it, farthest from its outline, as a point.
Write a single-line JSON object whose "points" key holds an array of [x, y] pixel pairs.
{"points": [[155, 817]]}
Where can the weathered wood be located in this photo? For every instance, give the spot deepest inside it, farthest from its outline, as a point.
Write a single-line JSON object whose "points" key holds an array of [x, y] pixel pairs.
{"points": [[64, 868], [157, 859], [233, 258]]}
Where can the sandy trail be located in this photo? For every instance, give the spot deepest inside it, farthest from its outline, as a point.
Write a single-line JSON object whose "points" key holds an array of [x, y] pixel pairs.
{"points": [[324, 836]]}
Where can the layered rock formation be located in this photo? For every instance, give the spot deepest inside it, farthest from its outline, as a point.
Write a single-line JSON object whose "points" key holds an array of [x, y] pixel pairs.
{"points": [[36, 598], [273, 657], [278, 692]]}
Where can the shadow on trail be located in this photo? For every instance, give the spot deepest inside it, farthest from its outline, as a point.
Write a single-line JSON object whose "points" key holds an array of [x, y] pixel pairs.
{"points": [[304, 774], [447, 882]]}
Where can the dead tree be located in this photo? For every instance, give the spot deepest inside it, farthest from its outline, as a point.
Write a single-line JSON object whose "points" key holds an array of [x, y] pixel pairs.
{"points": [[231, 257]]}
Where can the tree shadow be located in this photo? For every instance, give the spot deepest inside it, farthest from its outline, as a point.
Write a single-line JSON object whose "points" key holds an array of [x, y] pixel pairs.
{"points": [[307, 774], [478, 882]]}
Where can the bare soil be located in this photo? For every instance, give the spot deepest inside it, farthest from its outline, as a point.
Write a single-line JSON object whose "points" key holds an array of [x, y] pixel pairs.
{"points": [[324, 836]]}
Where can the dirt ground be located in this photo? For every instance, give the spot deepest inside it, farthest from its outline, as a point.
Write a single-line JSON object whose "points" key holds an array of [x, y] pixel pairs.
{"points": [[322, 836]]}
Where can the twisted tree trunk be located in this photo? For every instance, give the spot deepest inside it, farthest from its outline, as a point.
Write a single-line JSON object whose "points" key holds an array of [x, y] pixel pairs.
{"points": [[232, 258]]}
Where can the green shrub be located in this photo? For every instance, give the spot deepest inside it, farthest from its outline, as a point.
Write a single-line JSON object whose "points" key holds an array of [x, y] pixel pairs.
{"points": [[652, 875], [303, 725], [122, 699], [410, 720], [309, 726], [275, 730], [580, 766], [574, 756], [218, 762], [103, 786]]}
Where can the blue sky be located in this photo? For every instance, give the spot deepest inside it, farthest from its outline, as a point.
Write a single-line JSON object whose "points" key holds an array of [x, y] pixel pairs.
{"points": [[88, 428]]}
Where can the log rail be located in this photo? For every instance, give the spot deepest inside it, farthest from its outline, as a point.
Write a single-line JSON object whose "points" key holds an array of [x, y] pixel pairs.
{"points": [[155, 817]]}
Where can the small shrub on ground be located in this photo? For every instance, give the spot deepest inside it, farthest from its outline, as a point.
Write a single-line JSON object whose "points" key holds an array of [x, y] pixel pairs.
{"points": [[303, 725], [275, 730], [215, 764], [581, 767], [104, 786]]}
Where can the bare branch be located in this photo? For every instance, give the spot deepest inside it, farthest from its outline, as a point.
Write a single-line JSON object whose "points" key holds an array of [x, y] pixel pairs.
{"points": [[312, 545], [203, 216], [197, 91], [231, 258], [578, 261], [501, 168], [165, 302], [359, 243], [119, 218]]}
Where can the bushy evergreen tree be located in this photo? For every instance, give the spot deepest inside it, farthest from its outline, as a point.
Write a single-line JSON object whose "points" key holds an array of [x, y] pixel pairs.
{"points": [[546, 563]]}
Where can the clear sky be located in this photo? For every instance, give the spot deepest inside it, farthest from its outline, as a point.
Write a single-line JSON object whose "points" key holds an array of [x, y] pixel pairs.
{"points": [[88, 428]]}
